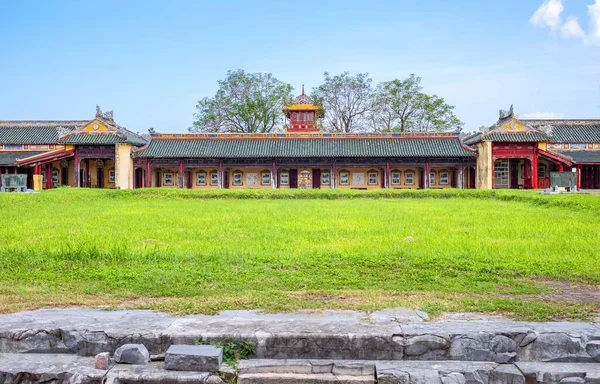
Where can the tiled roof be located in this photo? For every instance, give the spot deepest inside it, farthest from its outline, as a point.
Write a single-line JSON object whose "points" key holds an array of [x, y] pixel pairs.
{"points": [[10, 158], [35, 132], [470, 140], [97, 138], [570, 131], [304, 147], [581, 156], [64, 132], [576, 134], [520, 136]]}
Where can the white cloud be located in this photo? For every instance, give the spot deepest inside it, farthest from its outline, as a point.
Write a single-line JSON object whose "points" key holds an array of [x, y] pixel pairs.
{"points": [[542, 115], [548, 14], [571, 28], [593, 36]]}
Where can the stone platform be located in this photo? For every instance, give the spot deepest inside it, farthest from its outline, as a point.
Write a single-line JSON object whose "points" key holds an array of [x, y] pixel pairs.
{"points": [[390, 346]]}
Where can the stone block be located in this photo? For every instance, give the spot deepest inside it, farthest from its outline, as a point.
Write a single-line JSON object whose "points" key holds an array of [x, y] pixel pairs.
{"points": [[102, 360], [135, 354], [200, 358], [593, 349]]}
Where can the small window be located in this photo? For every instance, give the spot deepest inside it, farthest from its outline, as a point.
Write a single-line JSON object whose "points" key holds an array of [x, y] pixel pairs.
{"points": [[265, 178], [432, 178], [344, 178], [214, 178], [541, 171], [201, 178], [111, 176], [444, 178], [237, 178], [372, 178], [409, 178], [168, 179], [284, 178], [395, 178], [325, 178], [55, 178]]}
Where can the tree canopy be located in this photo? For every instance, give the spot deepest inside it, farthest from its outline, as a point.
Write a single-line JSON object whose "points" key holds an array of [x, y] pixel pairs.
{"points": [[244, 103], [401, 105], [253, 103], [346, 100]]}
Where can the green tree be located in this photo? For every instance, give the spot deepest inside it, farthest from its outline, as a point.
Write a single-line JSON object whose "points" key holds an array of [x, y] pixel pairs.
{"points": [[346, 100], [400, 105], [244, 103]]}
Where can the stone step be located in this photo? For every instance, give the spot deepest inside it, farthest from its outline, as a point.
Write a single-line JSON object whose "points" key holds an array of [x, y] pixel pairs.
{"points": [[72, 369], [392, 334], [267, 371]]}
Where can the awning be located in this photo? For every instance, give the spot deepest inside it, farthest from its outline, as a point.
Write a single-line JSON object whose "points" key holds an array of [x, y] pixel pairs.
{"points": [[46, 157], [555, 157], [9, 158]]}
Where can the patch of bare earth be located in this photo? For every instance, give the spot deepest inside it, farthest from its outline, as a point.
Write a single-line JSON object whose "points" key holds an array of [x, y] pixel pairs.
{"points": [[565, 293]]}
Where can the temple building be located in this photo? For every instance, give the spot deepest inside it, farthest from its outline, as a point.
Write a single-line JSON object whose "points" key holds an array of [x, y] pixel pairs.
{"points": [[77, 153], [98, 153], [520, 153], [304, 157]]}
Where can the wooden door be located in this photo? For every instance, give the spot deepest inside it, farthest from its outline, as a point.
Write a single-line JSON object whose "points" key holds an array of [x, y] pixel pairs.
{"points": [[514, 174], [100, 177], [316, 178], [226, 179], [293, 178]]}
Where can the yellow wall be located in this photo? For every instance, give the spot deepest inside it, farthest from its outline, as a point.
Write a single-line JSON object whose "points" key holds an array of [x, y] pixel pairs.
{"points": [[485, 166], [543, 145], [438, 183], [245, 172], [163, 171], [352, 182], [403, 184], [194, 172], [123, 166]]}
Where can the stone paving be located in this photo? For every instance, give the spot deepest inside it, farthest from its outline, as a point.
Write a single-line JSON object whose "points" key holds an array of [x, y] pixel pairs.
{"points": [[397, 344]]}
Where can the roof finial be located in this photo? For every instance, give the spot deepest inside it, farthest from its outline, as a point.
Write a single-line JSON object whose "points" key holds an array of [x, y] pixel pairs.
{"points": [[303, 89]]}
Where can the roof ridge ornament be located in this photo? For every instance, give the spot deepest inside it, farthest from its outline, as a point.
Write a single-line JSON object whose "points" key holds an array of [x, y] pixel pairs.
{"points": [[106, 116], [506, 114]]}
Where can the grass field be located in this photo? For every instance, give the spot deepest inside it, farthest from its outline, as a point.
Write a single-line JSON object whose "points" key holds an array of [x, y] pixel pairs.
{"points": [[192, 251]]}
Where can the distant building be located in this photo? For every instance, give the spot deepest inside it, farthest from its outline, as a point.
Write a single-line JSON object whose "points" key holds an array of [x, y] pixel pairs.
{"points": [[513, 153], [520, 153]]}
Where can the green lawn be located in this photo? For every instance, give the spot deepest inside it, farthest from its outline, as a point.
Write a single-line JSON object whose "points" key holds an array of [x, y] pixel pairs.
{"points": [[192, 251]]}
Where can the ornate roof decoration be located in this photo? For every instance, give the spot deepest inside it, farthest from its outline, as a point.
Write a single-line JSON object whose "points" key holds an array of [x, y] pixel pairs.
{"points": [[507, 114], [106, 116], [303, 99]]}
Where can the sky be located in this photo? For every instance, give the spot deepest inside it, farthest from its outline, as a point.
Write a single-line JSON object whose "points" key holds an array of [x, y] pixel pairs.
{"points": [[151, 61]]}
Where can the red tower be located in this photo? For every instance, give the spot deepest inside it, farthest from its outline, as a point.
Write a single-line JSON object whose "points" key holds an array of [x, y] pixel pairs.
{"points": [[303, 114]]}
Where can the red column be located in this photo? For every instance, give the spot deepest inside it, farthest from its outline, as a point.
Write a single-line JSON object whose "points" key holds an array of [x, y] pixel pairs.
{"points": [[560, 167], [427, 172], [221, 176], [387, 173], [534, 165], [148, 179], [49, 176], [273, 174], [180, 174], [86, 173], [578, 177], [76, 166], [334, 175]]}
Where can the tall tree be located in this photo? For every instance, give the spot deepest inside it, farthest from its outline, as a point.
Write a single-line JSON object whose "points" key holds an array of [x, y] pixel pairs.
{"points": [[400, 105], [244, 103], [346, 100]]}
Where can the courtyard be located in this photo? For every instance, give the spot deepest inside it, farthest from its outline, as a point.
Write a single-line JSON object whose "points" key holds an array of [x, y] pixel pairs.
{"points": [[516, 253]]}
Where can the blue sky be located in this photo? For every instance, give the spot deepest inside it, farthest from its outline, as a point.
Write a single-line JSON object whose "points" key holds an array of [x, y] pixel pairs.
{"points": [[151, 61]]}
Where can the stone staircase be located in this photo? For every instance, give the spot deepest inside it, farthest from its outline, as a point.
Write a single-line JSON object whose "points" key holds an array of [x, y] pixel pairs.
{"points": [[392, 346]]}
